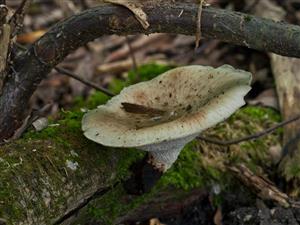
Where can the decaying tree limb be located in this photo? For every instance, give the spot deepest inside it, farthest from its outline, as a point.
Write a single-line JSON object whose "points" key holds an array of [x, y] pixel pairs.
{"points": [[286, 72], [32, 66], [263, 187]]}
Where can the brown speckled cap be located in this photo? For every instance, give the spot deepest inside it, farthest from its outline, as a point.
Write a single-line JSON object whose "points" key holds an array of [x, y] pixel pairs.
{"points": [[163, 114]]}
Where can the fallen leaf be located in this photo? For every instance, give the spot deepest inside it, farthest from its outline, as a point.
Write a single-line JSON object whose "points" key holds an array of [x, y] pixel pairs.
{"points": [[135, 8], [218, 217], [155, 221], [140, 109], [267, 98]]}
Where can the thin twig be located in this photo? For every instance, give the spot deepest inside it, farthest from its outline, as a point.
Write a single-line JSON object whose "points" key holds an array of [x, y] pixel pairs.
{"points": [[132, 56], [16, 21], [198, 29], [84, 81], [250, 137], [69, 73]]}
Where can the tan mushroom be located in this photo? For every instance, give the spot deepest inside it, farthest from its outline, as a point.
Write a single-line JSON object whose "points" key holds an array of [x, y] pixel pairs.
{"points": [[162, 115]]}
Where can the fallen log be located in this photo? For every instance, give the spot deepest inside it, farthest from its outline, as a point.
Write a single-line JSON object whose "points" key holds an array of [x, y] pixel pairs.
{"points": [[57, 176]]}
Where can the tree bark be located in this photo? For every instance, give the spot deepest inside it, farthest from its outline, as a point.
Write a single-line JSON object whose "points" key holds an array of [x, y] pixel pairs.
{"points": [[33, 65]]}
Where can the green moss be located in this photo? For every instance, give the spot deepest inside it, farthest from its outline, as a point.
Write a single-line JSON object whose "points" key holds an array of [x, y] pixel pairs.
{"points": [[144, 72], [248, 18], [198, 166], [116, 203], [260, 113], [147, 72], [290, 168], [95, 99], [49, 150], [186, 172]]}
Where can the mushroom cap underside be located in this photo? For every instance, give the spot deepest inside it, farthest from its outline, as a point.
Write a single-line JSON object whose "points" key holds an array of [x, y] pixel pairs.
{"points": [[181, 102]]}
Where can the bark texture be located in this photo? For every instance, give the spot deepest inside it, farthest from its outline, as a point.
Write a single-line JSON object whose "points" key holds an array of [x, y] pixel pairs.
{"points": [[33, 65]]}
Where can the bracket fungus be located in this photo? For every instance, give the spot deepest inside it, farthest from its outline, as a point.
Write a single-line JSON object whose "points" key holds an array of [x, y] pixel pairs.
{"points": [[162, 115]]}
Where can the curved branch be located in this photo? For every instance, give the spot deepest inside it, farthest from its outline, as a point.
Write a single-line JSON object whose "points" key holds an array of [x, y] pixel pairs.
{"points": [[180, 18]]}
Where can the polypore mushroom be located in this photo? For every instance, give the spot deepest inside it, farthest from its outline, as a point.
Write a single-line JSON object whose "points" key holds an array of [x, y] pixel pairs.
{"points": [[162, 115]]}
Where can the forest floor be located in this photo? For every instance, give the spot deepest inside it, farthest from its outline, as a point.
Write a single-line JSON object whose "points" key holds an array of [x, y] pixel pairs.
{"points": [[106, 62]]}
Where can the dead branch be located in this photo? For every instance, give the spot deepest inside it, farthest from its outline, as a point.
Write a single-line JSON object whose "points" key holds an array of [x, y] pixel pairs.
{"points": [[263, 187]]}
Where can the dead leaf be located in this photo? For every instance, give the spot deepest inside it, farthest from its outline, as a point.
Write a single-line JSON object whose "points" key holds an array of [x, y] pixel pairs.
{"points": [[267, 98], [155, 221], [31, 37], [218, 217], [140, 109], [135, 8]]}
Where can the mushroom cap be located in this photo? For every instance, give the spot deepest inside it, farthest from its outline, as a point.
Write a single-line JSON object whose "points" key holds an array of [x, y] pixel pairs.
{"points": [[178, 104]]}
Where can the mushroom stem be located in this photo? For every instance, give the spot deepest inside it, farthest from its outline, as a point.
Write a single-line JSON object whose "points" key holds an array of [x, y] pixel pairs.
{"points": [[163, 155], [163, 160]]}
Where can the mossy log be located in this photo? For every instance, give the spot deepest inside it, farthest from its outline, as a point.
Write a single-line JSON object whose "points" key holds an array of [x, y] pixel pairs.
{"points": [[57, 176]]}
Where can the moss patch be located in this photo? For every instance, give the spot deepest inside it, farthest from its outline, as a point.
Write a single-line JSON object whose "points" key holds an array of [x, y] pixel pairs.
{"points": [[46, 169]]}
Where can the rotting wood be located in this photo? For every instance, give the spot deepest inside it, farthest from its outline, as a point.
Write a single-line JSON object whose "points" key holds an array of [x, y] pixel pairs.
{"points": [[262, 186]]}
